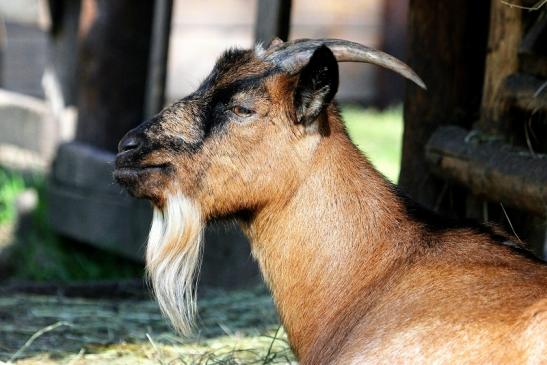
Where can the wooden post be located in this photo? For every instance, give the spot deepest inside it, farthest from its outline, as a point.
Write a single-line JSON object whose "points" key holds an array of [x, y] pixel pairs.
{"points": [[155, 89], [389, 85], [273, 19], [501, 61], [446, 46], [113, 67], [509, 101], [60, 82]]}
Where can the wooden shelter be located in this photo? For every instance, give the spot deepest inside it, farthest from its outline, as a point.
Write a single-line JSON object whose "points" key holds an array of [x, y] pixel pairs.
{"points": [[475, 143]]}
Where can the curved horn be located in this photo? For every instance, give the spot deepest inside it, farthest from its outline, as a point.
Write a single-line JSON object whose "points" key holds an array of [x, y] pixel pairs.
{"points": [[292, 56]]}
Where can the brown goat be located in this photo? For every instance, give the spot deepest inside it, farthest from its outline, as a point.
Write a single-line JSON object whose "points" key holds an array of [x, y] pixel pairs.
{"points": [[359, 274]]}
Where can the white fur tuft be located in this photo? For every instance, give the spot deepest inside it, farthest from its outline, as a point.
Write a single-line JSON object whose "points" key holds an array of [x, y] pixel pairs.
{"points": [[173, 258]]}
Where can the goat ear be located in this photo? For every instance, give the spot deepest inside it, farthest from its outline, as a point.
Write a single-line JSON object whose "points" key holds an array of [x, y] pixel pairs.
{"points": [[316, 86]]}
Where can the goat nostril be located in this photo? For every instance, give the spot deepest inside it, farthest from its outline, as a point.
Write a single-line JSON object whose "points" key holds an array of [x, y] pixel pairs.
{"points": [[129, 143]]}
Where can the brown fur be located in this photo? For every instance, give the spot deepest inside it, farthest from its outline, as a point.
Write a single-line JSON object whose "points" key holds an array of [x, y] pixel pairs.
{"points": [[354, 277]]}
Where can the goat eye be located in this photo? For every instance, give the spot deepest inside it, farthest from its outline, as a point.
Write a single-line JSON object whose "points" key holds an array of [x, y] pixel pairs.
{"points": [[242, 111]]}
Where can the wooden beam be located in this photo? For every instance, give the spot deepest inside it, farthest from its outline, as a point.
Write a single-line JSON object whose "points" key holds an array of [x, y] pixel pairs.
{"points": [[157, 71], [490, 169], [273, 18]]}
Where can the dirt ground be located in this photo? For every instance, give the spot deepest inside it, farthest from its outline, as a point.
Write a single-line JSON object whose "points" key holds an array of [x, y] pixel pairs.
{"points": [[234, 327]]}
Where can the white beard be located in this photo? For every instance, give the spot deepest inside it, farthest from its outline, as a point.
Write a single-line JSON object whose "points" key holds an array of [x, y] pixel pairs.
{"points": [[173, 259]]}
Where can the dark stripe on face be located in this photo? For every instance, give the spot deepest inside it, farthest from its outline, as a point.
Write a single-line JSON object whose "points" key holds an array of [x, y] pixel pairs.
{"points": [[215, 110], [206, 107]]}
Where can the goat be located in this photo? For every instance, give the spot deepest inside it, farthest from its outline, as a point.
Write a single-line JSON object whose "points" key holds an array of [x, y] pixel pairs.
{"points": [[359, 274]]}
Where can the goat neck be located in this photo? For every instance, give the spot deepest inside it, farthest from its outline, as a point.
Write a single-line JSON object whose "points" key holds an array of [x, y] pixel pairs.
{"points": [[333, 236]]}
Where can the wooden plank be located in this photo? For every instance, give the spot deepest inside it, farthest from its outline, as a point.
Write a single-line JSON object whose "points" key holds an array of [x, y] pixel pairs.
{"points": [[490, 169], [273, 19], [501, 61]]}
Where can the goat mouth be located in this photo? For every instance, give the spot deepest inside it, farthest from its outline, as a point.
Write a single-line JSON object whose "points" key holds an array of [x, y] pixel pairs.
{"points": [[127, 173]]}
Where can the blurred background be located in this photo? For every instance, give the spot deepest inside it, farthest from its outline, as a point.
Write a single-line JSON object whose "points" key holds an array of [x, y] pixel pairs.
{"points": [[75, 75]]}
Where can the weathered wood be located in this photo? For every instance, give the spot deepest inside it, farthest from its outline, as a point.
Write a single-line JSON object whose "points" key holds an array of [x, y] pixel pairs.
{"points": [[446, 46], [273, 18], [490, 169], [113, 66], [525, 92], [155, 89], [501, 61], [533, 49]]}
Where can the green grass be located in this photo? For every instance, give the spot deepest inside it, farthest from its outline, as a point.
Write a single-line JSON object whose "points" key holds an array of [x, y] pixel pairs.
{"points": [[44, 256], [378, 135], [11, 184], [39, 254]]}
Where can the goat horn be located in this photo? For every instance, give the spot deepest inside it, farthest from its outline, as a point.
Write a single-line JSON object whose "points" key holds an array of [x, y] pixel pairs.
{"points": [[292, 56]]}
